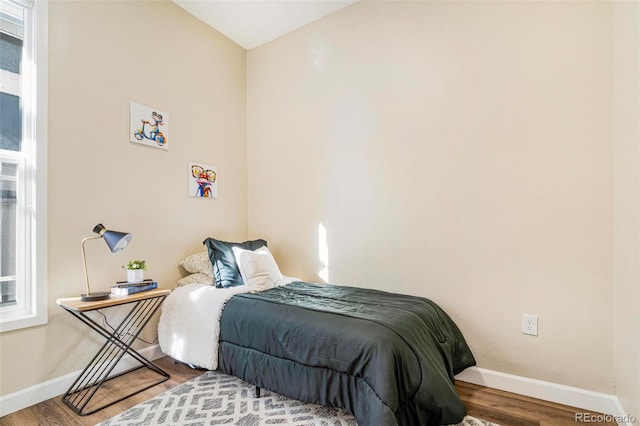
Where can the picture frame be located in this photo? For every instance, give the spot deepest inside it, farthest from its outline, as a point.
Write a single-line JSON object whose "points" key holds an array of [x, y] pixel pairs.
{"points": [[203, 180], [148, 126]]}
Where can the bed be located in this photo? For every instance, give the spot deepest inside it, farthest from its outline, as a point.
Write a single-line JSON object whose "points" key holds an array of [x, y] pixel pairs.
{"points": [[388, 359]]}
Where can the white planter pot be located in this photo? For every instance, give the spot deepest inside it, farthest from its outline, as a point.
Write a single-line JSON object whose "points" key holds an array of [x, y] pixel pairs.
{"points": [[135, 275]]}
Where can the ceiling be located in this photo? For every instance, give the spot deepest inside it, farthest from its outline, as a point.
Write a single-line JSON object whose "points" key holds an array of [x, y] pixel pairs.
{"points": [[251, 23]]}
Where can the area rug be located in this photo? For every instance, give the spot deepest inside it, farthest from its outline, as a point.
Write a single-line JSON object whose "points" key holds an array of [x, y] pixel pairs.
{"points": [[218, 399]]}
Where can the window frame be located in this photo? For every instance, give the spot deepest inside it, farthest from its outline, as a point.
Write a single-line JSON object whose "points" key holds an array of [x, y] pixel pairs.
{"points": [[31, 240]]}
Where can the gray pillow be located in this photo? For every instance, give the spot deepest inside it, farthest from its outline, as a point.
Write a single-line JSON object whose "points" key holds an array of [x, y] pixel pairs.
{"points": [[225, 270]]}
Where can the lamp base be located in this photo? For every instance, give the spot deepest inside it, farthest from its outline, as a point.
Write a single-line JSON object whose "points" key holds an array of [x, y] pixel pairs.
{"points": [[96, 295]]}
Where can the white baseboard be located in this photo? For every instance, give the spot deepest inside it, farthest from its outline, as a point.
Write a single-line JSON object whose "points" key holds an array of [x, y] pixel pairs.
{"points": [[561, 394], [41, 392]]}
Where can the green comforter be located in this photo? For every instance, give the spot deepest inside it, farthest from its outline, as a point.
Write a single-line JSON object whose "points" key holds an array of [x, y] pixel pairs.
{"points": [[389, 359]]}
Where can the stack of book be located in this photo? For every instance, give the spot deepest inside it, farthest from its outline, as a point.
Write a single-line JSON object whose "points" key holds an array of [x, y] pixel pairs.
{"points": [[125, 288]]}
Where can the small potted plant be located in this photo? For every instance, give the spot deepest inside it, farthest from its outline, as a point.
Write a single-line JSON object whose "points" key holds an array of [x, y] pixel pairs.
{"points": [[135, 270]]}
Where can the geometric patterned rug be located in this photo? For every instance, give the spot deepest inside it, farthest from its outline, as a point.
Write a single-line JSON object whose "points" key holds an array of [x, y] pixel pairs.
{"points": [[218, 399]]}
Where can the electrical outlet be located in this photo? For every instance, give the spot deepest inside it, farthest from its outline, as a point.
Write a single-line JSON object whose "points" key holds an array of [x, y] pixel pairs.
{"points": [[530, 324]]}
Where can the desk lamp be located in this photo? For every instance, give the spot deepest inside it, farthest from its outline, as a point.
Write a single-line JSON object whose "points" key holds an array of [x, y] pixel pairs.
{"points": [[116, 241]]}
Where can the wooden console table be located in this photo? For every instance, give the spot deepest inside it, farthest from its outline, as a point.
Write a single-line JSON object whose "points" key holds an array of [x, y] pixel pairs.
{"points": [[118, 342]]}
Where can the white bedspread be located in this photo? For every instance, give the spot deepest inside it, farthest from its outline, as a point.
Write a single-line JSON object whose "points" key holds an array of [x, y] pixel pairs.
{"points": [[189, 325]]}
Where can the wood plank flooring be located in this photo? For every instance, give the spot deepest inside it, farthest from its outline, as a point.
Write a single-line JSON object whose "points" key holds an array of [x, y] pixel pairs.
{"points": [[501, 407], [54, 412], [509, 409]]}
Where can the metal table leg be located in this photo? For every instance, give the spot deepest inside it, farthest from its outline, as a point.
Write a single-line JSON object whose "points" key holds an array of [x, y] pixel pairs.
{"points": [[117, 344]]}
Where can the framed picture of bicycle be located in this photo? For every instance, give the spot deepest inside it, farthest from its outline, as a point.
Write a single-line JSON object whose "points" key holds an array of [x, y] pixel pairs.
{"points": [[149, 126], [203, 180]]}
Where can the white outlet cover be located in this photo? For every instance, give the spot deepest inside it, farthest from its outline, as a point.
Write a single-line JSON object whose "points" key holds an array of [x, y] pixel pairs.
{"points": [[529, 324]]}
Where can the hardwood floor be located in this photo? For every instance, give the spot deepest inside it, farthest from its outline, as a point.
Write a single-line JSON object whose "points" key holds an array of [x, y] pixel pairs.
{"points": [[501, 407], [509, 409], [54, 412]]}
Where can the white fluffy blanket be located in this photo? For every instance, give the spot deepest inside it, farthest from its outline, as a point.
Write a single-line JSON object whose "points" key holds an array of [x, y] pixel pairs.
{"points": [[189, 325]]}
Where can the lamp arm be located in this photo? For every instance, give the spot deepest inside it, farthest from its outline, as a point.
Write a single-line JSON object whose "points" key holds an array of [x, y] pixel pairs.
{"points": [[84, 261]]}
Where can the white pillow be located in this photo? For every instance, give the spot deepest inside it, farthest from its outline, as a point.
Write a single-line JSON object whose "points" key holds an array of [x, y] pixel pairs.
{"points": [[258, 268]]}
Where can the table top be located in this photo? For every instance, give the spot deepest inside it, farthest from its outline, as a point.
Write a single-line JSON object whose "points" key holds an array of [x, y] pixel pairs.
{"points": [[76, 304]]}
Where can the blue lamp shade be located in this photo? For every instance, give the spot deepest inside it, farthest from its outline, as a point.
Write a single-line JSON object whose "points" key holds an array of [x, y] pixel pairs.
{"points": [[117, 241]]}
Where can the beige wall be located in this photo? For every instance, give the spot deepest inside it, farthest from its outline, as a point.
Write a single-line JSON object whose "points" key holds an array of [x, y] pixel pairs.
{"points": [[101, 56], [626, 187], [459, 151], [455, 150]]}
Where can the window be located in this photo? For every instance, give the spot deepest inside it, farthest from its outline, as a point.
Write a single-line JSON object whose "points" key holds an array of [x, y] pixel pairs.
{"points": [[23, 87]]}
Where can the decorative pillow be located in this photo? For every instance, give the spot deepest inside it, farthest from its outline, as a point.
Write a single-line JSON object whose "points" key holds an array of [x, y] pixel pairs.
{"points": [[258, 268], [196, 279], [198, 263], [225, 269]]}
